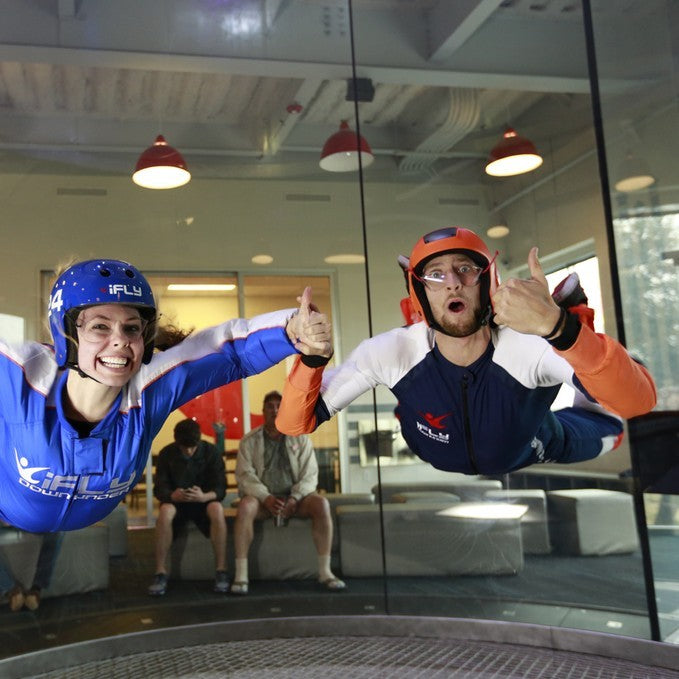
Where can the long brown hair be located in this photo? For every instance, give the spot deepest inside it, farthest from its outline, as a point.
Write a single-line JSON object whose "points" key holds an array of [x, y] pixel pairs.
{"points": [[169, 335]]}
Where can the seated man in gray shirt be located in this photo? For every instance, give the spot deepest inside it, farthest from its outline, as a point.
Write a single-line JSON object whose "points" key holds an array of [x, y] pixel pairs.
{"points": [[277, 477], [190, 484]]}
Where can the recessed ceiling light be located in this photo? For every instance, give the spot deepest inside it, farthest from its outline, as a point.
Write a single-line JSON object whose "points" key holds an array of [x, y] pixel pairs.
{"points": [[201, 287], [497, 231], [262, 259], [633, 174], [344, 259]]}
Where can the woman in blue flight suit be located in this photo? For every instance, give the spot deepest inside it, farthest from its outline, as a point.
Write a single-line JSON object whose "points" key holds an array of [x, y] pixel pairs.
{"points": [[77, 420]]}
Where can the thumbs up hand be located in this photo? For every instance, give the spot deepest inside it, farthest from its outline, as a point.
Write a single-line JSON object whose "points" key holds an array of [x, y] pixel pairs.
{"points": [[527, 305], [309, 330]]}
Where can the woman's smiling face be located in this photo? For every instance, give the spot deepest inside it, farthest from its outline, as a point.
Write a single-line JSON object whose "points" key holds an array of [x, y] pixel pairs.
{"points": [[110, 343]]}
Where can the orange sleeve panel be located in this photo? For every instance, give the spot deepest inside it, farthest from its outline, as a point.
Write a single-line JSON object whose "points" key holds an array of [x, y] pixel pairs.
{"points": [[617, 382], [301, 391]]}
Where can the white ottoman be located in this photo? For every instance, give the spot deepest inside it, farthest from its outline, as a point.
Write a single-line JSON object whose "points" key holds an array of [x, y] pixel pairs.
{"points": [[117, 531], [337, 500], [421, 539], [592, 521], [191, 555], [425, 496], [275, 554], [469, 489], [474, 490], [81, 565], [534, 523]]}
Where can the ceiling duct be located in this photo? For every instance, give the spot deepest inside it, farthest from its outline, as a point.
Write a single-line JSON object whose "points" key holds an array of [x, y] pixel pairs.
{"points": [[462, 118]]}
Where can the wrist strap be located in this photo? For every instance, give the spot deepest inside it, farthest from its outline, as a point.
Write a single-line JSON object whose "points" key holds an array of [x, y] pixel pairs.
{"points": [[314, 361], [555, 329], [569, 334]]}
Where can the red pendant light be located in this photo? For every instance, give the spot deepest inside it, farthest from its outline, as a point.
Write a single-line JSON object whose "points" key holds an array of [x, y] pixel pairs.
{"points": [[161, 167], [512, 155], [341, 151]]}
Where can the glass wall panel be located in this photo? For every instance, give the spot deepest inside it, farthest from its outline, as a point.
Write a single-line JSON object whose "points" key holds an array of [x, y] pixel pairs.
{"points": [[637, 76], [256, 96], [448, 81], [247, 92]]}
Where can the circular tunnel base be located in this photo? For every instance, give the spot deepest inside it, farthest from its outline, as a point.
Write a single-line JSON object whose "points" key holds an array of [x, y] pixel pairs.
{"points": [[340, 647]]}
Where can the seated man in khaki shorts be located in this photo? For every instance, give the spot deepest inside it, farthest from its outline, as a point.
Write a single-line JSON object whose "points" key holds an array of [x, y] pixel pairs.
{"points": [[277, 477]]}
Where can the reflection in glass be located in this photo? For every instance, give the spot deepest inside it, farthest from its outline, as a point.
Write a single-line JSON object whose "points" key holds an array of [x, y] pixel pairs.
{"points": [[639, 129], [249, 92], [445, 128]]}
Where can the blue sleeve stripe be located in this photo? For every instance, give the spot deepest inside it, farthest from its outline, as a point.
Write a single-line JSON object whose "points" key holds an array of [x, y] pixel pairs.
{"points": [[578, 385]]}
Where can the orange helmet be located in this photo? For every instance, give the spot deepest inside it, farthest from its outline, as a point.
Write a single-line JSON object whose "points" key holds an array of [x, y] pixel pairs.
{"points": [[446, 240]]}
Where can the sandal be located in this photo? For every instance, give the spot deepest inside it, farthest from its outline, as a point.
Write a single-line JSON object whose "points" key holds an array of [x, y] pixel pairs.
{"points": [[16, 598], [32, 599], [334, 584], [239, 587]]}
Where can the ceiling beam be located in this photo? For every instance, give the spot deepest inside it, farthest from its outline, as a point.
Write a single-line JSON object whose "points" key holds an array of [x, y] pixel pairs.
{"points": [[182, 63], [210, 36], [305, 94], [451, 24]]}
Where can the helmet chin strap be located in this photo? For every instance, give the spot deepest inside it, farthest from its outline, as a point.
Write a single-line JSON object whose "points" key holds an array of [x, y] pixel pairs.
{"points": [[487, 318], [71, 360], [82, 374]]}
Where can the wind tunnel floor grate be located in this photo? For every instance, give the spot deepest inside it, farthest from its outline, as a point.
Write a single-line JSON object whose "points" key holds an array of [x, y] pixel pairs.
{"points": [[347, 657]]}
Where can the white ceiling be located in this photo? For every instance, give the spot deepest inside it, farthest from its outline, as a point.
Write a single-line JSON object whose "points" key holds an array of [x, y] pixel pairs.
{"points": [[85, 85]]}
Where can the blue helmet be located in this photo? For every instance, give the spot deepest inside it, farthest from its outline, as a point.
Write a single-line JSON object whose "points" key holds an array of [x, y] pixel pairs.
{"points": [[93, 282]]}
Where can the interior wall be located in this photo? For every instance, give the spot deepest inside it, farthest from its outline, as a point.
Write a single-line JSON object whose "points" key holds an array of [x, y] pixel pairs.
{"points": [[150, 230], [197, 312]]}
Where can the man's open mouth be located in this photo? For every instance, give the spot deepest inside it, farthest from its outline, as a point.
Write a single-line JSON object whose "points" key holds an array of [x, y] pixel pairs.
{"points": [[456, 306]]}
